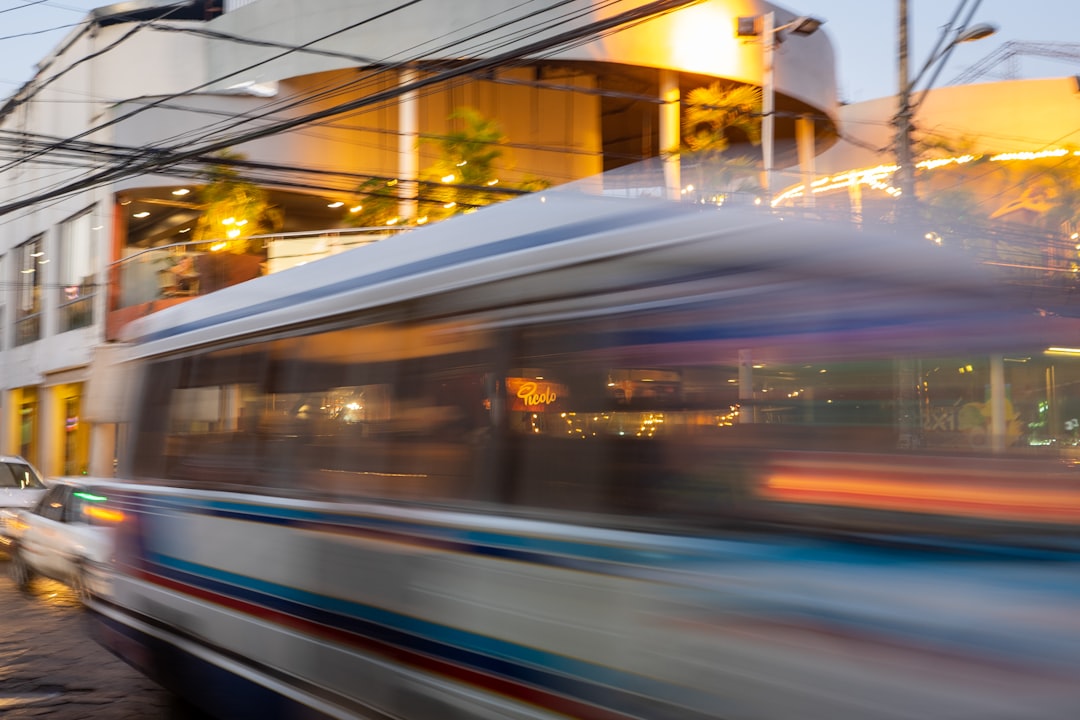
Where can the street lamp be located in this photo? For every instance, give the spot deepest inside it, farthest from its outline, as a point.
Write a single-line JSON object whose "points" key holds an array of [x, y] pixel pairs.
{"points": [[961, 33], [747, 27]]}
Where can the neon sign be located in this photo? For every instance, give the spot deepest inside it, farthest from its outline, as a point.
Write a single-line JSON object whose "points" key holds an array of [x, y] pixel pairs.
{"points": [[528, 394], [531, 393]]}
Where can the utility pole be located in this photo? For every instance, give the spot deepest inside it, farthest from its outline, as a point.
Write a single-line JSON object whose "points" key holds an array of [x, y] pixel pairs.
{"points": [[956, 32], [905, 208]]}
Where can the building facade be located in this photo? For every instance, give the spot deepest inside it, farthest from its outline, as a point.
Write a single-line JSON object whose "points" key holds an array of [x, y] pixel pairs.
{"points": [[112, 142]]}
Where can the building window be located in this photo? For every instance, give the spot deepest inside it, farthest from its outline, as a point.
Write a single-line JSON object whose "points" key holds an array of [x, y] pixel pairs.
{"points": [[77, 279], [31, 260]]}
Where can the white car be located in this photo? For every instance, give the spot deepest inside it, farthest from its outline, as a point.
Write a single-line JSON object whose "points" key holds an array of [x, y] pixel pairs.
{"points": [[67, 536], [20, 487]]}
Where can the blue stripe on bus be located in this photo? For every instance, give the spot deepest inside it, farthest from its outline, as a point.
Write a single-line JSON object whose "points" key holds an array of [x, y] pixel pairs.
{"points": [[526, 241], [596, 684]]}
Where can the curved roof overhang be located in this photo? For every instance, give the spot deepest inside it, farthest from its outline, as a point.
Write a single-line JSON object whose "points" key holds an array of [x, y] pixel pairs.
{"points": [[695, 39]]}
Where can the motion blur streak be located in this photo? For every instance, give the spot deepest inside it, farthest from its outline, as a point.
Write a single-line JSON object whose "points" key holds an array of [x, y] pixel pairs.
{"points": [[590, 457]]}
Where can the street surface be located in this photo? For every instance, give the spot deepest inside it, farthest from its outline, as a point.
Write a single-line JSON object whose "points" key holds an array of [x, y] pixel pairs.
{"points": [[51, 669]]}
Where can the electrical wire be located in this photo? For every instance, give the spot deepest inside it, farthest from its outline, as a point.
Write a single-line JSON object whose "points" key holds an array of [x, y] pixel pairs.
{"points": [[650, 9], [548, 8]]}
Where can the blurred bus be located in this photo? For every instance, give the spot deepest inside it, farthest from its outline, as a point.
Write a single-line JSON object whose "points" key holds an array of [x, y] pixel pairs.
{"points": [[585, 457]]}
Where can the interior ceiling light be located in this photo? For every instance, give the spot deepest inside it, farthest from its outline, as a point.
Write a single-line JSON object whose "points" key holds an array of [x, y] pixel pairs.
{"points": [[142, 214], [181, 191]]}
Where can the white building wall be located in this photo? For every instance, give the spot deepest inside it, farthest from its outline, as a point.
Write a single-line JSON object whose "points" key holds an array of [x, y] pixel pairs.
{"points": [[1005, 116], [697, 39]]}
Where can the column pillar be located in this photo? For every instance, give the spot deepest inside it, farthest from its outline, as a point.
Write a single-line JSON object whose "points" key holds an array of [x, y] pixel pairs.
{"points": [[408, 148], [670, 132], [50, 430], [998, 421], [102, 449], [747, 412], [804, 142]]}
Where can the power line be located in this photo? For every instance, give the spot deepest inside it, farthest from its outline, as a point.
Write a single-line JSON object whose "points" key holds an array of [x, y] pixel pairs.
{"points": [[208, 83], [161, 159], [20, 7], [415, 55], [341, 88]]}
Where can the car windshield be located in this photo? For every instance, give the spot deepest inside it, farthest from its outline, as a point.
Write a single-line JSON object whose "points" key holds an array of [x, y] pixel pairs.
{"points": [[19, 475]]}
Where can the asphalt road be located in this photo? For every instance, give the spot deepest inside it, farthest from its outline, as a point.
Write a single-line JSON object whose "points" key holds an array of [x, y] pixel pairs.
{"points": [[50, 668]]}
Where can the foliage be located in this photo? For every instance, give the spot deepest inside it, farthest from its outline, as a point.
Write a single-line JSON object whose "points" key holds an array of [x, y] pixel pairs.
{"points": [[954, 207], [375, 204], [931, 144], [713, 116], [459, 181], [714, 113], [234, 209]]}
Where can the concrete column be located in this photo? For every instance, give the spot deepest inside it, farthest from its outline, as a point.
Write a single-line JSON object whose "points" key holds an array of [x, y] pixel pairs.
{"points": [[998, 421], [670, 132], [408, 148], [804, 142], [50, 430], [9, 426], [102, 449], [747, 412]]}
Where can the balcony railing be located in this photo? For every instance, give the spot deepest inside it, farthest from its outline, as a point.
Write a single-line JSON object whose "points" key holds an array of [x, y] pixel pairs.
{"points": [[152, 279]]}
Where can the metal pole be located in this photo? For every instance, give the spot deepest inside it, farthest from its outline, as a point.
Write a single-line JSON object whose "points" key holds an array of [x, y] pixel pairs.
{"points": [[906, 173], [767, 102]]}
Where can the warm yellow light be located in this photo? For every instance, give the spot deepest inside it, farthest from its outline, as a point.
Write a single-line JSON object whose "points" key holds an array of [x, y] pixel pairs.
{"points": [[181, 191], [241, 223], [233, 234], [1062, 351], [104, 514], [449, 178], [356, 208], [702, 40], [216, 247], [493, 182], [228, 221], [141, 214], [421, 220], [449, 205], [1028, 155], [335, 204], [392, 221]]}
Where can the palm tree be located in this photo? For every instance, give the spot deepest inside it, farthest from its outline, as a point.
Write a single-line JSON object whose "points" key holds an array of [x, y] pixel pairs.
{"points": [[714, 115]]}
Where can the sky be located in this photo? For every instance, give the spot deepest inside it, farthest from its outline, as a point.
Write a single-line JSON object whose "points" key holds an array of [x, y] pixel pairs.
{"points": [[29, 30], [863, 34], [864, 37]]}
